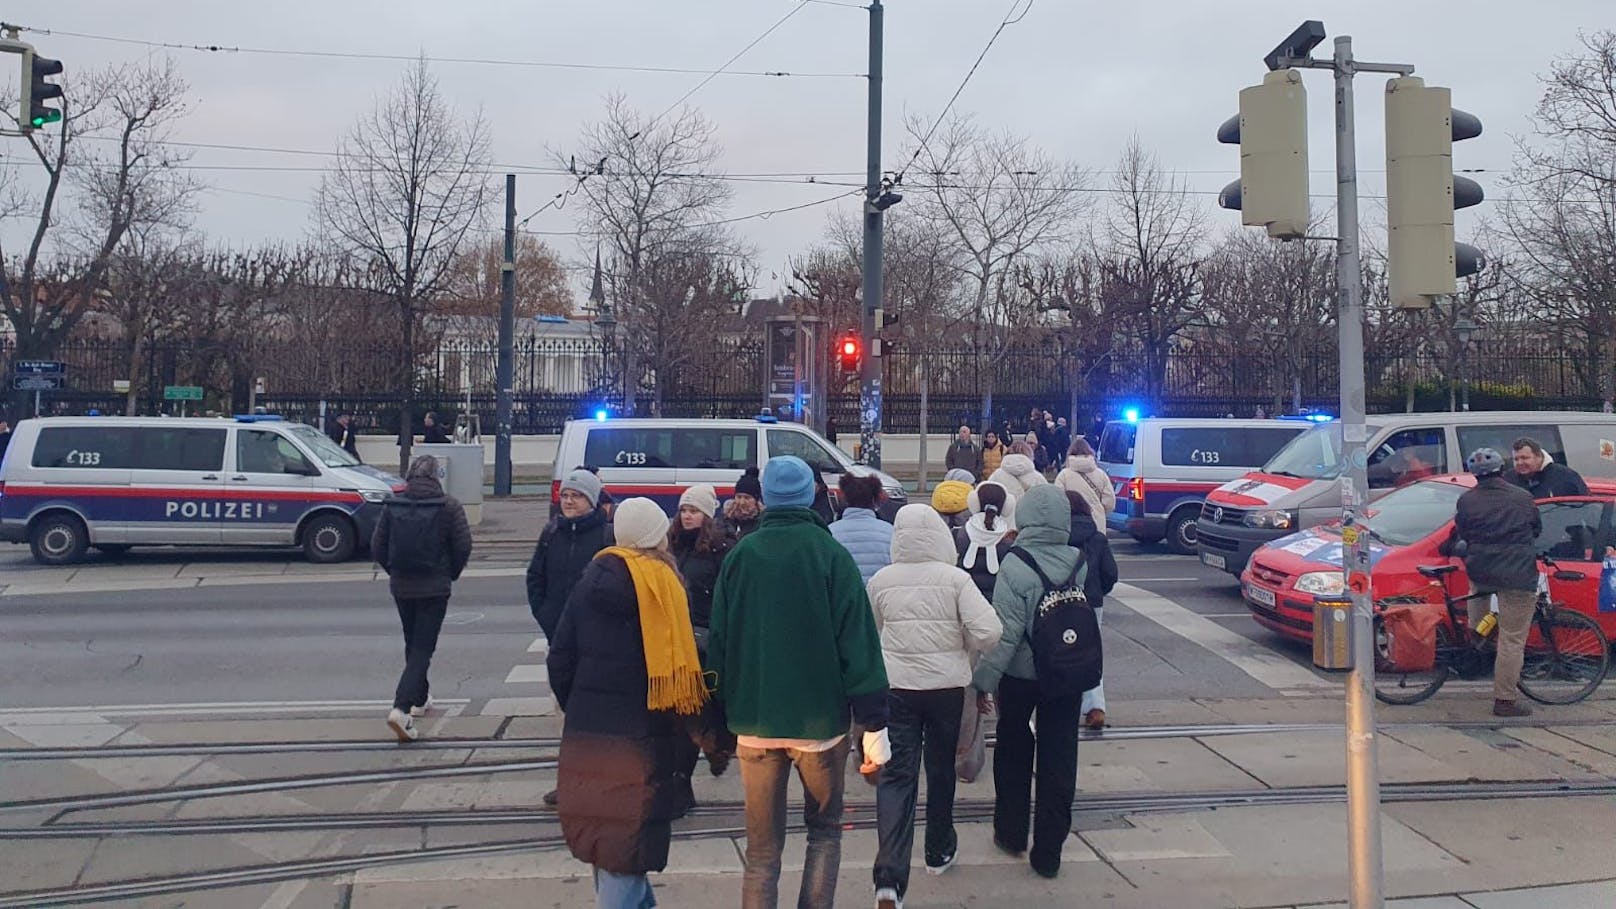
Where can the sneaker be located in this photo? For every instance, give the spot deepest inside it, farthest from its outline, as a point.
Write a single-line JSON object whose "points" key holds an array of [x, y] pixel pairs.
{"points": [[1006, 848], [1047, 873], [944, 865], [421, 710], [1095, 719], [550, 799], [887, 898], [402, 726], [1511, 708]]}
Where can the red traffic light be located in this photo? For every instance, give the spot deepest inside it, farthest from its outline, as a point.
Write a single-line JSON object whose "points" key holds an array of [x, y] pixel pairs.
{"points": [[850, 348], [848, 351]]}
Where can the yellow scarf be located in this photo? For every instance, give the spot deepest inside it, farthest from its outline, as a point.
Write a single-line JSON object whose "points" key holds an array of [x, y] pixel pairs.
{"points": [[671, 663]]}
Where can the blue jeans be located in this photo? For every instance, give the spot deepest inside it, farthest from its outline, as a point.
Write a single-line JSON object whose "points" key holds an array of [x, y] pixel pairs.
{"points": [[622, 891], [764, 774]]}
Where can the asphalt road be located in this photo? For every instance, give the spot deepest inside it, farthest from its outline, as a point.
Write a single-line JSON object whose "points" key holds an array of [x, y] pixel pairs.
{"points": [[279, 641]]}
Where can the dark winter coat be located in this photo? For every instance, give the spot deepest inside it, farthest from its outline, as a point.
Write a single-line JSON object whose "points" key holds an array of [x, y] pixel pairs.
{"points": [[346, 438], [735, 528], [435, 434], [620, 782], [453, 548], [563, 551], [1500, 524], [700, 571], [979, 572], [1087, 537], [967, 456], [1553, 480], [5, 442]]}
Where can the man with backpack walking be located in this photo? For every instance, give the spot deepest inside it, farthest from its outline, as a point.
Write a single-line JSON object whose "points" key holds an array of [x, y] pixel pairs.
{"points": [[1047, 657], [423, 543]]}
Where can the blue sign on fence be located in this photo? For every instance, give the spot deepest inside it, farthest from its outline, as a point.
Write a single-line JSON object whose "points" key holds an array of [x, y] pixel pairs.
{"points": [[41, 368]]}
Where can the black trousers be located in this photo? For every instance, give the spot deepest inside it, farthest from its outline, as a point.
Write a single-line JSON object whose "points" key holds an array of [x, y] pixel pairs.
{"points": [[1049, 755], [924, 728], [422, 620]]}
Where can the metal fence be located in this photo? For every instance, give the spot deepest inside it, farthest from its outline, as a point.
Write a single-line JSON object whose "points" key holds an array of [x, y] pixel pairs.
{"points": [[560, 378]]}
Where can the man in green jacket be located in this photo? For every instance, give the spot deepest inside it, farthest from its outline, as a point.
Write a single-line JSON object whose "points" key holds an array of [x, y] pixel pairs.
{"points": [[796, 655]]}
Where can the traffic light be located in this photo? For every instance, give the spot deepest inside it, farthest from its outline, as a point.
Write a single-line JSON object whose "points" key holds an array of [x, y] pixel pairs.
{"points": [[1271, 130], [848, 351], [1422, 193], [36, 91]]}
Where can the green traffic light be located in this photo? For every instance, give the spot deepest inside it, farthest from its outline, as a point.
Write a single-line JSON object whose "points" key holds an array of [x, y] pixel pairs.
{"points": [[47, 117]]}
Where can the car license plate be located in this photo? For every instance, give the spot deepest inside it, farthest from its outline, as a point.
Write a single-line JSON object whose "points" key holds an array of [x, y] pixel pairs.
{"points": [[1259, 595], [1215, 561]]}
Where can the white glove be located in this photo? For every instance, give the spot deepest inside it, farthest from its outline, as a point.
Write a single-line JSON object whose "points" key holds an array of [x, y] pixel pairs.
{"points": [[877, 747]]}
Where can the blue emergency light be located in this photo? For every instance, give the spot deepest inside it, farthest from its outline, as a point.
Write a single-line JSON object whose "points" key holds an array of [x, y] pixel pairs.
{"points": [[258, 418], [1131, 414], [600, 415]]}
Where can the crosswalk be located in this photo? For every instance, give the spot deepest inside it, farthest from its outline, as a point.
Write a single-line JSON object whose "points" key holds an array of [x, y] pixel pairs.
{"points": [[530, 686]]}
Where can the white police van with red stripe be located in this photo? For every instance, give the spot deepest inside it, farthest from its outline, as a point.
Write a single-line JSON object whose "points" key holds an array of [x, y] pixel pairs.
{"points": [[71, 483]]}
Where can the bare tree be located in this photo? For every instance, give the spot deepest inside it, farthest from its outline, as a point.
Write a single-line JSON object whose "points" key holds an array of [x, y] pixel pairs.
{"points": [[652, 202], [106, 173], [1000, 201], [408, 184]]}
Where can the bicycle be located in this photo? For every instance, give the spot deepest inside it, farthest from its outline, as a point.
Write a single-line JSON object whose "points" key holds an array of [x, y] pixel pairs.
{"points": [[1567, 655]]}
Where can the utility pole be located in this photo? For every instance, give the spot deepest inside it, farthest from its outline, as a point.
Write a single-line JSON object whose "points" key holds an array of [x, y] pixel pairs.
{"points": [[507, 339], [870, 370]]}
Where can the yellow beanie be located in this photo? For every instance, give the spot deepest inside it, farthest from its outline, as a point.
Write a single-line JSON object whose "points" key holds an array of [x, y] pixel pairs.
{"points": [[951, 497]]}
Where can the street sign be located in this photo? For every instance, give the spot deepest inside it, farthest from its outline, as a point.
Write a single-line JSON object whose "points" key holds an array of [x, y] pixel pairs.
{"points": [[30, 382], [182, 392], [40, 368]]}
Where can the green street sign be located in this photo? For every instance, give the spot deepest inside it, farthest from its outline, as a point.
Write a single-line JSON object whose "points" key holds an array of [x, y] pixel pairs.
{"points": [[182, 392]]}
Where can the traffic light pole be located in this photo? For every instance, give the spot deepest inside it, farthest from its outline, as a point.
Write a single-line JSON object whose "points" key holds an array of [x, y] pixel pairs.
{"points": [[505, 380], [1364, 862], [870, 367]]}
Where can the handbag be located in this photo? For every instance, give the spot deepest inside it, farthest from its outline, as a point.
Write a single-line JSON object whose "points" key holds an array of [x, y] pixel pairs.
{"points": [[971, 753]]}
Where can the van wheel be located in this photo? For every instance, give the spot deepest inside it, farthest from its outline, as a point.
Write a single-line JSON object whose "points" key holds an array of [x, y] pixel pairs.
{"points": [[328, 538], [1181, 534], [59, 539]]}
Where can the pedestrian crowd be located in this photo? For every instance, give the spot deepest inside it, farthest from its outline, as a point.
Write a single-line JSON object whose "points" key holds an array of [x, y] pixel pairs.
{"points": [[771, 633]]}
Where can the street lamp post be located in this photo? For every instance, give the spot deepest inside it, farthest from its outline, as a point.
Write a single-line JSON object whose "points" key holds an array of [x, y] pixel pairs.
{"points": [[1464, 329]]}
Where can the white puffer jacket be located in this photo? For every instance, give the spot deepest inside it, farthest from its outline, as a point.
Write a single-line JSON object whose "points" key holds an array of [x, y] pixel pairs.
{"points": [[1084, 477], [1017, 474], [929, 613]]}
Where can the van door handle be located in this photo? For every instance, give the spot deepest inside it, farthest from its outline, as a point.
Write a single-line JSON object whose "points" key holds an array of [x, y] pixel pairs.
{"points": [[239, 478], [210, 476]]}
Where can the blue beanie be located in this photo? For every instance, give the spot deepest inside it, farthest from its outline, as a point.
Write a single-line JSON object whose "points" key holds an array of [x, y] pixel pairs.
{"points": [[787, 481]]}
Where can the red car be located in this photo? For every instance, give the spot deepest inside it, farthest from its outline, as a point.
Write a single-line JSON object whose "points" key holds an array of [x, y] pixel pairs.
{"points": [[1407, 529]]}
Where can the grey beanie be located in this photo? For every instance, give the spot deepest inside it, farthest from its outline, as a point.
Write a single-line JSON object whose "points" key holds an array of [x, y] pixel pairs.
{"points": [[423, 466], [585, 484]]}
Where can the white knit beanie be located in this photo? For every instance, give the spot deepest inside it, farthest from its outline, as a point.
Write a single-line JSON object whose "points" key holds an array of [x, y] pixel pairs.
{"points": [[701, 497], [639, 524]]}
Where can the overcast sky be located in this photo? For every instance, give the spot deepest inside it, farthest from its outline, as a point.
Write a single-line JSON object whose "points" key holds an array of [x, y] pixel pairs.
{"points": [[1078, 77]]}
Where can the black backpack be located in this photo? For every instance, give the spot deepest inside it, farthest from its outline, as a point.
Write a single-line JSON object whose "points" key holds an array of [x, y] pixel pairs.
{"points": [[414, 541], [1065, 634]]}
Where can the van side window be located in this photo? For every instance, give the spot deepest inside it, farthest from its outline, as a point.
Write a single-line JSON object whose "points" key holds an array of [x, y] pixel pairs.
{"points": [[1116, 443], [786, 442], [1221, 446], [715, 449], [622, 446], [88, 447], [258, 451], [1502, 439], [164, 448], [1407, 456]]}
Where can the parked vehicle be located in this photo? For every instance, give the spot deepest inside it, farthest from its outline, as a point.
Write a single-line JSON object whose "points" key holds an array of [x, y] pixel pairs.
{"points": [[1162, 469], [1301, 486], [72, 483], [661, 458], [1409, 529]]}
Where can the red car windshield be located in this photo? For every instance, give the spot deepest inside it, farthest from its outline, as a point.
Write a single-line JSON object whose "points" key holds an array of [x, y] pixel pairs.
{"points": [[1414, 512]]}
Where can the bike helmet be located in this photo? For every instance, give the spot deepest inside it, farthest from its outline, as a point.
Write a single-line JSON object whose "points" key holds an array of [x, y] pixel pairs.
{"points": [[1485, 462]]}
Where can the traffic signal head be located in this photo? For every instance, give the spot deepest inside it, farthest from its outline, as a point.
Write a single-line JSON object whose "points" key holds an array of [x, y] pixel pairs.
{"points": [[36, 91], [1422, 193], [1271, 130], [848, 352]]}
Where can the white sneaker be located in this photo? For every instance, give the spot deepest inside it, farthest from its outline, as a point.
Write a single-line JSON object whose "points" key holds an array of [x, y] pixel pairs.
{"points": [[421, 710], [887, 898], [402, 725], [947, 864]]}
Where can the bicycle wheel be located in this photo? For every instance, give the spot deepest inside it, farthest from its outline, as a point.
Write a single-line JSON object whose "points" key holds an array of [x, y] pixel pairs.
{"points": [[1566, 658], [1397, 686]]}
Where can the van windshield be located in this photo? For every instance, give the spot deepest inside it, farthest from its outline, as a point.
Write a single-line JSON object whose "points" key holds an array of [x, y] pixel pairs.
{"points": [[1313, 455], [330, 453]]}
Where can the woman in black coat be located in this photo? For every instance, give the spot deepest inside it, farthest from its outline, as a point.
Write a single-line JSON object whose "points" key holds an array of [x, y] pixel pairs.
{"points": [[1089, 538], [628, 712]]}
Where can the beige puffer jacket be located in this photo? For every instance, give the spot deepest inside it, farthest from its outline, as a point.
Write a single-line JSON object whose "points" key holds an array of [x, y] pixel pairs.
{"points": [[1084, 477], [929, 612]]}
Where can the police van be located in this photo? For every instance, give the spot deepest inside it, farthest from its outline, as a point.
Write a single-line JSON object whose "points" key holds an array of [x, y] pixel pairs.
{"points": [[72, 483], [660, 458]]}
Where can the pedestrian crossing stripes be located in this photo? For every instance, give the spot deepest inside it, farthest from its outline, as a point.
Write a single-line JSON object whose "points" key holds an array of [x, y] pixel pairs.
{"points": [[531, 686]]}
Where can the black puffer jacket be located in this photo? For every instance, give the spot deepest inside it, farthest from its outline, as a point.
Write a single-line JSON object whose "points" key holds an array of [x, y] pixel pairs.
{"points": [[1500, 523], [453, 546], [1555, 479], [980, 575], [1103, 574], [620, 782], [700, 571], [563, 551]]}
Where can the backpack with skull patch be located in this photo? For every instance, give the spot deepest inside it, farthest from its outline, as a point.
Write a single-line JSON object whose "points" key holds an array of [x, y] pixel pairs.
{"points": [[1064, 634]]}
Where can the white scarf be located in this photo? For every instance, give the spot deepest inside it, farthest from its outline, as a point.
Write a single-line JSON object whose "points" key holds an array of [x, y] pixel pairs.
{"points": [[984, 540]]}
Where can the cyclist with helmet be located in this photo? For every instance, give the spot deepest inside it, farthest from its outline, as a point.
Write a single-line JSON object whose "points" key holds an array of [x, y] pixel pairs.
{"points": [[1500, 523]]}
